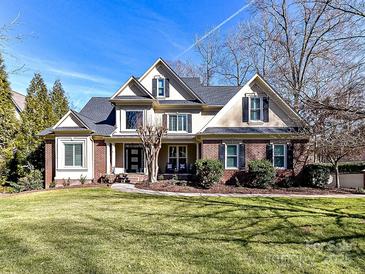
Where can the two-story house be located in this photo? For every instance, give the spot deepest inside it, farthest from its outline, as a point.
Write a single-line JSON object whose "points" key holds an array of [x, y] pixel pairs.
{"points": [[233, 124]]}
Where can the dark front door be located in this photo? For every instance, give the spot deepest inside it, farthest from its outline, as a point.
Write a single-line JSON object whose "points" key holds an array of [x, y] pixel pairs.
{"points": [[134, 158]]}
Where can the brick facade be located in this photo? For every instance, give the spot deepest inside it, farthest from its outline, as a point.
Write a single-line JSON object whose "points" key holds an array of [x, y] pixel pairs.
{"points": [[49, 162], [255, 150], [210, 149], [99, 159]]}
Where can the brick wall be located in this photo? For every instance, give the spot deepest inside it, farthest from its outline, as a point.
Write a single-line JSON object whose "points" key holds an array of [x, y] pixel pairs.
{"points": [[210, 149], [255, 150], [99, 159], [49, 162]]}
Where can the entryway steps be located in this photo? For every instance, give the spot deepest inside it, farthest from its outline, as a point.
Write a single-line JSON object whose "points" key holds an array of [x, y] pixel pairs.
{"points": [[136, 178]]}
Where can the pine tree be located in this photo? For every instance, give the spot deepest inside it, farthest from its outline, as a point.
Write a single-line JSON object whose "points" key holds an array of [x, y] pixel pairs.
{"points": [[37, 116], [8, 122], [58, 100]]}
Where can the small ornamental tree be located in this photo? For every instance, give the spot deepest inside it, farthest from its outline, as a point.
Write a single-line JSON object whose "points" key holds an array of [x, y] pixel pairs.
{"points": [[151, 137]]}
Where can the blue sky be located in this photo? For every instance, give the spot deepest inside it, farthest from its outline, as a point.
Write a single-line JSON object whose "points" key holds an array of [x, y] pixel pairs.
{"points": [[94, 46]]}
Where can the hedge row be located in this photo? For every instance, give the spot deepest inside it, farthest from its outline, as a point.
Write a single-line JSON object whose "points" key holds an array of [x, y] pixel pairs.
{"points": [[345, 167]]}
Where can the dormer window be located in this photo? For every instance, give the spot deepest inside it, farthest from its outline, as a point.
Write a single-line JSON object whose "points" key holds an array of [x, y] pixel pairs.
{"points": [[161, 87], [256, 109]]}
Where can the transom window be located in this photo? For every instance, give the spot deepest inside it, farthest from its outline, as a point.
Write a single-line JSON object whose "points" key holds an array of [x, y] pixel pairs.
{"points": [[73, 155], [231, 156], [255, 109], [178, 122], [134, 119], [279, 155], [177, 157], [161, 87]]}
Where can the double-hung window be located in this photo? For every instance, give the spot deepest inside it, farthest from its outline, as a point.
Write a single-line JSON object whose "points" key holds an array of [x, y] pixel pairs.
{"points": [[74, 155], [161, 87], [279, 155], [255, 109], [134, 119], [231, 156], [178, 122], [178, 157]]}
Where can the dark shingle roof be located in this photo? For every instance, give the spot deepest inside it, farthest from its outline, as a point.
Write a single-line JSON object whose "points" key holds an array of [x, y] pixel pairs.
{"points": [[211, 95], [98, 115], [250, 130]]}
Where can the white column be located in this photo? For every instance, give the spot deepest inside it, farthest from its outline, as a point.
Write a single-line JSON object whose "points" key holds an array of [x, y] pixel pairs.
{"points": [[107, 158], [113, 157]]}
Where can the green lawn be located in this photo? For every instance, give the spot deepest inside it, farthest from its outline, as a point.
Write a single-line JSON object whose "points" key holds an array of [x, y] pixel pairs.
{"points": [[102, 231]]}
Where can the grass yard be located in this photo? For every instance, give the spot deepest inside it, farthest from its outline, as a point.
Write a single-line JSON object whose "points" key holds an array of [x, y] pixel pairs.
{"points": [[99, 230]]}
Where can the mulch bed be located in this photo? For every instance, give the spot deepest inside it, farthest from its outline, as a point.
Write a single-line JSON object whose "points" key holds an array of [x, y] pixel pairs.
{"points": [[227, 189]]}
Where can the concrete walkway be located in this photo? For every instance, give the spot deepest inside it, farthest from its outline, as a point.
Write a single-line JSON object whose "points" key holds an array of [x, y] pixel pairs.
{"points": [[131, 188]]}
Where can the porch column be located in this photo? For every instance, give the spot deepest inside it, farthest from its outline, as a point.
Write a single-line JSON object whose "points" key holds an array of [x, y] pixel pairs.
{"points": [[107, 158], [113, 157]]}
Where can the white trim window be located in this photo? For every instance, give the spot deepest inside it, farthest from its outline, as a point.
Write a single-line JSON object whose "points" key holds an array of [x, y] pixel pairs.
{"points": [[161, 87], [231, 156], [178, 122], [73, 155], [178, 157], [256, 108], [279, 156], [133, 119]]}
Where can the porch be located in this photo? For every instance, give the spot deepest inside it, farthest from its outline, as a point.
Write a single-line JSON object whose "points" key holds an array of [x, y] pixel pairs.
{"points": [[174, 158]]}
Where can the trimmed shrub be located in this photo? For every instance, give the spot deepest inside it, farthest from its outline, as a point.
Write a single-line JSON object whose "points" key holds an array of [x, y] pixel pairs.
{"points": [[315, 175], [208, 172], [261, 174], [32, 181], [351, 167]]}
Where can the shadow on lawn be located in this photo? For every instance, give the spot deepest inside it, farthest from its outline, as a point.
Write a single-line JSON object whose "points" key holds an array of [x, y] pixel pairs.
{"points": [[264, 221]]}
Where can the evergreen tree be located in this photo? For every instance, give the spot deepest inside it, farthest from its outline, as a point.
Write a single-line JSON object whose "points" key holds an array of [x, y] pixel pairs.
{"points": [[37, 116], [58, 100], [8, 122]]}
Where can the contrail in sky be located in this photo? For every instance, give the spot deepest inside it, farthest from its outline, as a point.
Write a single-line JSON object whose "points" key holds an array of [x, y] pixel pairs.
{"points": [[215, 28]]}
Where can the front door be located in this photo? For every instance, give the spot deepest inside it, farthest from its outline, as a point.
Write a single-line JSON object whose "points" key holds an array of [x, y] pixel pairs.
{"points": [[134, 158]]}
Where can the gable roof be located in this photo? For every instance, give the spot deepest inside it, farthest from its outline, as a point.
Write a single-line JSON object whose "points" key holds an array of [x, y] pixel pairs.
{"points": [[188, 88], [18, 100], [98, 116], [132, 79], [286, 107]]}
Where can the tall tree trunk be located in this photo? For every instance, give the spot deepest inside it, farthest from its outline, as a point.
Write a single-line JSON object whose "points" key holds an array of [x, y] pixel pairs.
{"points": [[337, 176]]}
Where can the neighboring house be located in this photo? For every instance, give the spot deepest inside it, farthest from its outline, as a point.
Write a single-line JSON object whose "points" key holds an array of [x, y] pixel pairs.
{"points": [[233, 124], [19, 102]]}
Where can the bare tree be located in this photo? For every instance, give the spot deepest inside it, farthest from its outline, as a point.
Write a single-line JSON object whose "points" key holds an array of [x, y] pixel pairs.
{"points": [[151, 137], [304, 34], [235, 62], [185, 68], [209, 48], [354, 7]]}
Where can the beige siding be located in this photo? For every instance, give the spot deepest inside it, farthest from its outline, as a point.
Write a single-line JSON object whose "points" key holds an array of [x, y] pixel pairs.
{"points": [[233, 117]]}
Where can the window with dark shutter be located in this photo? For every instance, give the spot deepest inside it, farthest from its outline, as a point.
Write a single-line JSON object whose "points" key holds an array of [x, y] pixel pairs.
{"points": [[221, 153], [265, 109], [167, 88], [290, 156], [269, 152], [154, 87], [242, 157], [245, 109]]}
